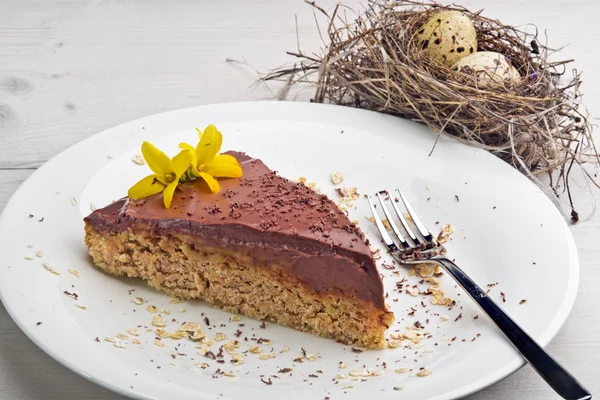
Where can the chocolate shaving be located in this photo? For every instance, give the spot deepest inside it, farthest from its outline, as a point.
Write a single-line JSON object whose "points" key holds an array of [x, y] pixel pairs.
{"points": [[71, 295]]}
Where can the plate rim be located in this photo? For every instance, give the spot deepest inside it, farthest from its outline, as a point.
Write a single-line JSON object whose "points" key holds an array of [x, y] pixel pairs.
{"points": [[510, 368]]}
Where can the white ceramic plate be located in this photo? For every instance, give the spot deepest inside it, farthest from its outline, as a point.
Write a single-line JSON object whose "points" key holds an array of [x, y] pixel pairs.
{"points": [[507, 232]]}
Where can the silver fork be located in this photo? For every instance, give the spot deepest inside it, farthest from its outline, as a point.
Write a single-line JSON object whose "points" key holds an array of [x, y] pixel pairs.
{"points": [[419, 246]]}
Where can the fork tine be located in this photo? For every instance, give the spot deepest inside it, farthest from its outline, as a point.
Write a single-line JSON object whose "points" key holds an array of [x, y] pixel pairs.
{"points": [[405, 224], [391, 221], [417, 221], [386, 238]]}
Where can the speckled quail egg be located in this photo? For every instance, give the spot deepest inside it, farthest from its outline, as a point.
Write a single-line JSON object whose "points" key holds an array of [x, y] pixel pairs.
{"points": [[488, 67], [447, 37]]}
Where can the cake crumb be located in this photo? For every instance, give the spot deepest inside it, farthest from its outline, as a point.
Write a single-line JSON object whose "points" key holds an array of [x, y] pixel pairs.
{"points": [[423, 372], [402, 370], [230, 374], [73, 201], [337, 177], [39, 254], [152, 309], [159, 343], [28, 257], [234, 318], [74, 272], [81, 306], [342, 365], [398, 387], [445, 233], [439, 298]]}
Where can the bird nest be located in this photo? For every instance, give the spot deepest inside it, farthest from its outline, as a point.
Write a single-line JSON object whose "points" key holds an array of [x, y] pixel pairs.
{"points": [[536, 123]]}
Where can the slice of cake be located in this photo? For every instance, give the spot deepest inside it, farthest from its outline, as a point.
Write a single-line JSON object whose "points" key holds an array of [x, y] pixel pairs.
{"points": [[263, 246]]}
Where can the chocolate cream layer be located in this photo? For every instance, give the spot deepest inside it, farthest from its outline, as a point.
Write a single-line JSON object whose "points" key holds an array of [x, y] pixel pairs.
{"points": [[262, 216]]}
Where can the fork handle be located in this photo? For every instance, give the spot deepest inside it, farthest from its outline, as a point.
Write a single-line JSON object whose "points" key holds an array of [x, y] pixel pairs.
{"points": [[551, 371]]}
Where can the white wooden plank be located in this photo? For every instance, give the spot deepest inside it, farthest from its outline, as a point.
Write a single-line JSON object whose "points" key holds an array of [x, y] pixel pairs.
{"points": [[10, 180], [70, 69]]}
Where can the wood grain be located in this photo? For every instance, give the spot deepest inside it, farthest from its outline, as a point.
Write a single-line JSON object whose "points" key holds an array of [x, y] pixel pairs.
{"points": [[70, 69]]}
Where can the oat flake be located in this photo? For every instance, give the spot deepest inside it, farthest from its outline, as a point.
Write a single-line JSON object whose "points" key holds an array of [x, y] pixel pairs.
{"points": [[133, 332], [138, 159], [138, 300], [219, 336], [74, 272], [159, 321]]}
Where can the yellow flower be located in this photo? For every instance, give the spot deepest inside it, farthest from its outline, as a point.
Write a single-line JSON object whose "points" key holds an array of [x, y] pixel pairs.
{"points": [[166, 174], [207, 163]]}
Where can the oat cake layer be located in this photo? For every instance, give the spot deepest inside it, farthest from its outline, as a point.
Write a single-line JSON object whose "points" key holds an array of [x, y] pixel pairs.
{"points": [[264, 247]]}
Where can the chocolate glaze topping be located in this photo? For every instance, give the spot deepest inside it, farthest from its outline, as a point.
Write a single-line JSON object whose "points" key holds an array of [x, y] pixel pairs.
{"points": [[265, 217]]}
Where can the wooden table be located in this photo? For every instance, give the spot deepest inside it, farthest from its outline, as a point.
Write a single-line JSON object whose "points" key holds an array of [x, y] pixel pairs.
{"points": [[70, 69]]}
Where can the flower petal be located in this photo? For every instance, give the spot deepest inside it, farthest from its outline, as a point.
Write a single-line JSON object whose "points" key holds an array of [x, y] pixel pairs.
{"points": [[212, 182], [224, 166], [209, 146], [158, 161], [194, 162], [181, 162], [190, 148], [146, 187], [168, 193]]}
